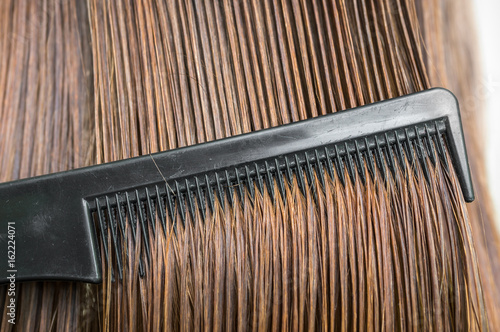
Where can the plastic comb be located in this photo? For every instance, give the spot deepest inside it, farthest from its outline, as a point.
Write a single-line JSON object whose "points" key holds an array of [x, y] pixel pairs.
{"points": [[59, 217]]}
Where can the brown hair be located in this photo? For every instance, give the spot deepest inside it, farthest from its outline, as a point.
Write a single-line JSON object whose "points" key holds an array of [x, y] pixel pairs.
{"points": [[123, 78]]}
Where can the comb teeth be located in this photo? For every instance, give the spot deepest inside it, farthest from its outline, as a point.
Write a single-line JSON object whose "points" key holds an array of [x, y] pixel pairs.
{"points": [[173, 187], [180, 197]]}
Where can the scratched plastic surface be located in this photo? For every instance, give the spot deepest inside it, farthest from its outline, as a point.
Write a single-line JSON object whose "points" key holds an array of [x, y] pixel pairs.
{"points": [[60, 216]]}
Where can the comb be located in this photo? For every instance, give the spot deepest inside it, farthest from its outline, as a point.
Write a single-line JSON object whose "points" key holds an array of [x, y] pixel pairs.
{"points": [[58, 218]]}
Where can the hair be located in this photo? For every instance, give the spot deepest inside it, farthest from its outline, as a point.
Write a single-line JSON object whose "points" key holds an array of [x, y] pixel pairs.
{"points": [[92, 82]]}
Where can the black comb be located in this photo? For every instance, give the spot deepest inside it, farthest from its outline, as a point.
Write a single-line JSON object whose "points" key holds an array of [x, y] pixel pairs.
{"points": [[58, 218]]}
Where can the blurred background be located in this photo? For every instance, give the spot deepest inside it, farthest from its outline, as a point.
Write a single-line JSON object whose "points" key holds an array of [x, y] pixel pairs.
{"points": [[488, 20]]}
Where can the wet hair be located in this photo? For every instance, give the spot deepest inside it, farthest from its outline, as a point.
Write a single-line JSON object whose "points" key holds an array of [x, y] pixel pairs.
{"points": [[91, 82]]}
